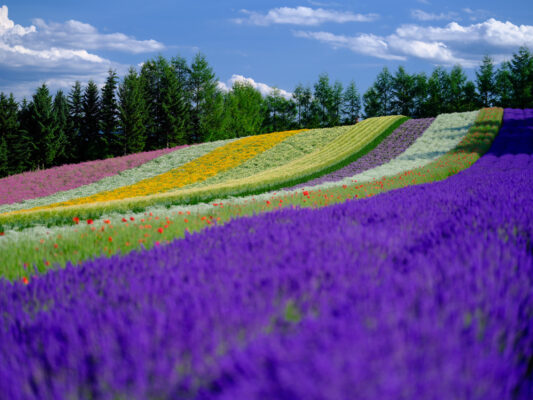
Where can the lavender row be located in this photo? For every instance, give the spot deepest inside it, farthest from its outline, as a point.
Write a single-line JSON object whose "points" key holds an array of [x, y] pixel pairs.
{"points": [[425, 292], [391, 147], [30, 185]]}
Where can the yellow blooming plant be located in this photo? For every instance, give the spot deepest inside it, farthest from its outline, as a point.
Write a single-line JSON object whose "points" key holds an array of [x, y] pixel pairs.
{"points": [[218, 160]]}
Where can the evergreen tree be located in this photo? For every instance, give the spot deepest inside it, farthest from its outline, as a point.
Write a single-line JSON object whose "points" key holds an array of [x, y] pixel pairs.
{"points": [[133, 113], [403, 93], [335, 112], [9, 133], [299, 97], [279, 113], [43, 129], [420, 95], [383, 86], [175, 118], [458, 80], [372, 104], [4, 162], [109, 115], [521, 68], [92, 145], [207, 101], [486, 83], [24, 147], [60, 113], [352, 104], [242, 111], [152, 78], [75, 122], [470, 102], [504, 87], [324, 99], [438, 93]]}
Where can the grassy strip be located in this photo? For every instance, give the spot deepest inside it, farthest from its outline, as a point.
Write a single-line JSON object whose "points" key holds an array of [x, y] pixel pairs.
{"points": [[25, 257]]}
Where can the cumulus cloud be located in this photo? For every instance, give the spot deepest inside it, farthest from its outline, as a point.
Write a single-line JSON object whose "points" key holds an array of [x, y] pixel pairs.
{"points": [[263, 88], [302, 16], [448, 45], [425, 16], [58, 53]]}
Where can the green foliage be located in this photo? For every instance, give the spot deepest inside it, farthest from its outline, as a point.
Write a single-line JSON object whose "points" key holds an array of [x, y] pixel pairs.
{"points": [[60, 114], [9, 134], [42, 129], [75, 105], [521, 77], [352, 104], [242, 111], [133, 113], [279, 112], [109, 114], [91, 144], [486, 83]]}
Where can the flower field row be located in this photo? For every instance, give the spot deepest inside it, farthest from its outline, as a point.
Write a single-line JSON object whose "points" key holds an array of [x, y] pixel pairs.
{"points": [[391, 147], [30, 185], [147, 170], [446, 131], [290, 149], [48, 246], [220, 159], [387, 297]]}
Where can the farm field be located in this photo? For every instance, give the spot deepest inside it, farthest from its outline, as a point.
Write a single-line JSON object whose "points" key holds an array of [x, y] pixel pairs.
{"points": [[391, 256]]}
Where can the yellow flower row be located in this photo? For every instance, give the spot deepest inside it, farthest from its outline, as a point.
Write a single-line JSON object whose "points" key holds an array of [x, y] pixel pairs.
{"points": [[220, 159]]}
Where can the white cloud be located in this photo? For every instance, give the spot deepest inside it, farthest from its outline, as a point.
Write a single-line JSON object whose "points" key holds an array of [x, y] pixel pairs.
{"points": [[302, 16], [448, 45], [263, 88], [58, 53], [425, 16], [371, 45]]}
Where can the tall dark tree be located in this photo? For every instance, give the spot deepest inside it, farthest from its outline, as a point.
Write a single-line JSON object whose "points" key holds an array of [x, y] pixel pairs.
{"points": [[335, 112], [10, 135], [521, 68], [438, 92], [352, 104], [24, 146], [323, 96], [60, 113], [403, 93], [279, 112], [372, 104], [383, 86], [75, 105], [175, 104], [133, 113], [298, 96], [206, 100], [109, 115], [457, 100], [504, 86], [43, 129], [420, 95], [242, 111], [92, 146], [486, 83]]}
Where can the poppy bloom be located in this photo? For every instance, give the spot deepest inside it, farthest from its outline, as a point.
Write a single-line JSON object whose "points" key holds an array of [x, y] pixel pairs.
{"points": [[76, 220], [89, 221]]}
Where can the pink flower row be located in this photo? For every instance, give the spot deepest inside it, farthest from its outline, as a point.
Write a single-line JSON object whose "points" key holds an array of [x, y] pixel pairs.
{"points": [[30, 185]]}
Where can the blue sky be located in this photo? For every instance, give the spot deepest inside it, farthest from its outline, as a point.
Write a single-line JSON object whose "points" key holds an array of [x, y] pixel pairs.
{"points": [[269, 43]]}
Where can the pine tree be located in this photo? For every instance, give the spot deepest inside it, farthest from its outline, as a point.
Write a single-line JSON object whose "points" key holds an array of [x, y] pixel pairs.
{"points": [[324, 98], [4, 162], [298, 96], [43, 128], [133, 113], [175, 117], [206, 100], [60, 113], [420, 95], [383, 86], [109, 114], [23, 148], [92, 146], [352, 104], [403, 93], [438, 93], [458, 80], [9, 133], [504, 86], [521, 68], [335, 111], [75, 122], [372, 104], [485, 81]]}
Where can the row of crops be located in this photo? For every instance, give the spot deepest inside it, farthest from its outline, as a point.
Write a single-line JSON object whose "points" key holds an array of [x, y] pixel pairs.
{"points": [[423, 292]]}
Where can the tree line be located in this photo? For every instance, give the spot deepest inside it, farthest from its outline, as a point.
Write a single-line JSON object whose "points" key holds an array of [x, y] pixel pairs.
{"points": [[171, 102]]}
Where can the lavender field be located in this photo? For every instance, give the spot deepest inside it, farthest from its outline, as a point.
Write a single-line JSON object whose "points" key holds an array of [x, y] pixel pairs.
{"points": [[424, 292]]}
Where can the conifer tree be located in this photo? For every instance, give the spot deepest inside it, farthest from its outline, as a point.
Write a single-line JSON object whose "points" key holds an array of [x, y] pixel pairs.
{"points": [[23, 148], [4, 164], [485, 81], [75, 122], [521, 68], [133, 113], [403, 93], [206, 100], [109, 114], [352, 104], [174, 121], [458, 80], [60, 113], [152, 78], [324, 98], [504, 86], [92, 145], [9, 133], [372, 104], [43, 128], [335, 111]]}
